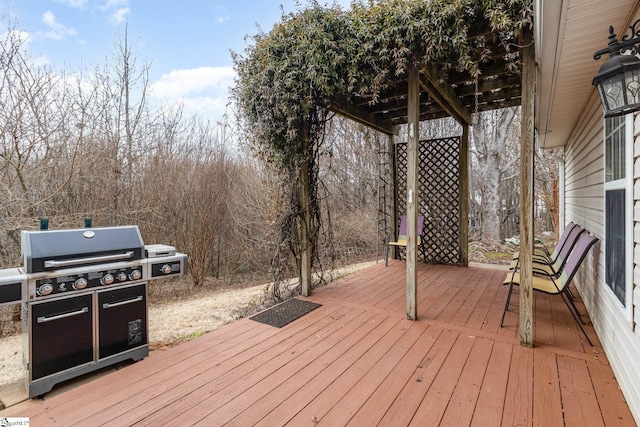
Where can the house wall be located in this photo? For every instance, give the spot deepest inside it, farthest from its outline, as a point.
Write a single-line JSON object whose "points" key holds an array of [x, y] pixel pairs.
{"points": [[584, 204]]}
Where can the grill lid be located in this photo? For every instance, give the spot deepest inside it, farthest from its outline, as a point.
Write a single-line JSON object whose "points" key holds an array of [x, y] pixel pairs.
{"points": [[48, 250]]}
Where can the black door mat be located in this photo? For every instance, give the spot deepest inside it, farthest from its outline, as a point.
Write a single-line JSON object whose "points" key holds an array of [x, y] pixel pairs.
{"points": [[285, 312]]}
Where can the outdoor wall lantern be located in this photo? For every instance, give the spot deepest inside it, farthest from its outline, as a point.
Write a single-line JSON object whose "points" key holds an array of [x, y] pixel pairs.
{"points": [[618, 81]]}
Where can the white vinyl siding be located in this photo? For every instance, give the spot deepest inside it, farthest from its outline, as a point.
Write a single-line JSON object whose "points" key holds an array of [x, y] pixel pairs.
{"points": [[584, 204]]}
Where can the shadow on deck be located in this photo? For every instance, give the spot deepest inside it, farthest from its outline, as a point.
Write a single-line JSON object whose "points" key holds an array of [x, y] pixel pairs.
{"points": [[357, 361]]}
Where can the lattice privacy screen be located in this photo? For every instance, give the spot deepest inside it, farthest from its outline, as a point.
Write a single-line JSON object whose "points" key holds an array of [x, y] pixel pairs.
{"points": [[439, 197]]}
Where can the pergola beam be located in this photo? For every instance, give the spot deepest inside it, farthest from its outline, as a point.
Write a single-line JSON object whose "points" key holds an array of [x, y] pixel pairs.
{"points": [[445, 96], [362, 116]]}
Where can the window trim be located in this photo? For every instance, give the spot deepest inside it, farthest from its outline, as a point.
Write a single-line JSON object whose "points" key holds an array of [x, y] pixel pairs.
{"points": [[626, 184]]}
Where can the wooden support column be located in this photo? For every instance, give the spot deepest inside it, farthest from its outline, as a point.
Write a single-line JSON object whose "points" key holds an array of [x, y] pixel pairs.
{"points": [[527, 55], [413, 115], [464, 196], [393, 195], [305, 222]]}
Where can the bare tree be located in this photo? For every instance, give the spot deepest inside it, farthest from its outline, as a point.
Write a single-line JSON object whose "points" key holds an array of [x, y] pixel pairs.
{"points": [[489, 143], [33, 116]]}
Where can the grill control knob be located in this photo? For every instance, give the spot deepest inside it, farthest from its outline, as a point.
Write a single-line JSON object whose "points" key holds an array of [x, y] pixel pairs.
{"points": [[107, 279], [135, 275], [166, 269], [45, 289], [80, 283], [122, 276]]}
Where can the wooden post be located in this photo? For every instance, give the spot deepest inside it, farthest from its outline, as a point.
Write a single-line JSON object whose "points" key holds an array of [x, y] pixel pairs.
{"points": [[527, 55], [464, 195], [305, 223], [393, 210], [413, 116]]}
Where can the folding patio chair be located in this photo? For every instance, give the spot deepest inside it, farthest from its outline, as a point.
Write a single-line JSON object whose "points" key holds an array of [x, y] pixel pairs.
{"points": [[402, 236], [541, 252], [554, 263], [558, 286]]}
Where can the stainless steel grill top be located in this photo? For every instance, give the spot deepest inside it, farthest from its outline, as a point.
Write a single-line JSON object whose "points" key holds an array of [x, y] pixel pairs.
{"points": [[51, 250]]}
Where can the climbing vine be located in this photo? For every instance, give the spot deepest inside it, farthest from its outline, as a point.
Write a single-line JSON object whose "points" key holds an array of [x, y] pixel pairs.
{"points": [[287, 76]]}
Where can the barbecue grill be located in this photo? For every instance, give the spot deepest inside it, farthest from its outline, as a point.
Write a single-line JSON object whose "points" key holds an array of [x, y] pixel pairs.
{"points": [[84, 299]]}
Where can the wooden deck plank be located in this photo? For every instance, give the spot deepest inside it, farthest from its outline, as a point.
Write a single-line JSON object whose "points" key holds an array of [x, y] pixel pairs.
{"points": [[491, 322], [105, 392], [518, 405], [437, 398], [416, 387], [547, 402], [578, 396], [198, 402], [613, 407], [462, 404], [390, 289], [429, 280], [491, 400], [390, 387], [431, 295], [344, 410], [335, 391], [312, 385], [478, 318], [239, 365], [544, 332], [566, 336], [320, 371], [185, 372], [357, 361], [438, 302], [461, 300]]}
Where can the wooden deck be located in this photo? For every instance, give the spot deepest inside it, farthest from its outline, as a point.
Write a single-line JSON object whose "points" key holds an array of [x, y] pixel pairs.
{"points": [[357, 361]]}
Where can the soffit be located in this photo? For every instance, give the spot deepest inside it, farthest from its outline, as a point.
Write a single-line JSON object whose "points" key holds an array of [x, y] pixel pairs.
{"points": [[568, 32]]}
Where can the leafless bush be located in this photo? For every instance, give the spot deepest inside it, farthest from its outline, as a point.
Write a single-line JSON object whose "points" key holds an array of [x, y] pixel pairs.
{"points": [[88, 145]]}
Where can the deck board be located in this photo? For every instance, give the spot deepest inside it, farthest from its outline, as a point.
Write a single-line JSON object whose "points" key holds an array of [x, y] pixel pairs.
{"points": [[491, 398], [357, 360], [461, 406], [547, 402]]}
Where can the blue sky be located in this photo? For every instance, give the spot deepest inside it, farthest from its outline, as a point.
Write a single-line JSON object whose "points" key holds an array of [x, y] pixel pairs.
{"points": [[187, 42]]}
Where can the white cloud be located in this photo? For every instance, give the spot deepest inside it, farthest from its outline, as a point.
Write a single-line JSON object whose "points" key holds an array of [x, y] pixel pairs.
{"points": [[203, 90], [114, 4], [119, 15], [41, 61], [206, 106], [180, 83], [118, 9], [21, 37], [222, 19], [77, 4], [56, 31]]}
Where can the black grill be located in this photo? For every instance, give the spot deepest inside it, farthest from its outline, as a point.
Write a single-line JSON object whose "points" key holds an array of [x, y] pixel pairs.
{"points": [[84, 299]]}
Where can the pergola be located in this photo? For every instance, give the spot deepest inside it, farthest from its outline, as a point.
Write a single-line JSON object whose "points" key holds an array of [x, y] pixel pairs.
{"points": [[384, 65], [423, 95]]}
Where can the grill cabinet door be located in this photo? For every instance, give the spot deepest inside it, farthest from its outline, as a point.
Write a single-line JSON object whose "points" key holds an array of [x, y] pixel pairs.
{"points": [[61, 335], [122, 320]]}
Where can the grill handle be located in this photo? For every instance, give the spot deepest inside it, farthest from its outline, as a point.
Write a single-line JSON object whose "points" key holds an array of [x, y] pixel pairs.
{"points": [[116, 304], [43, 319], [88, 260]]}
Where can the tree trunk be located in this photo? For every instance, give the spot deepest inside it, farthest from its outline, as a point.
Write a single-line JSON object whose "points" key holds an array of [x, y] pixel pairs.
{"points": [[490, 139]]}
